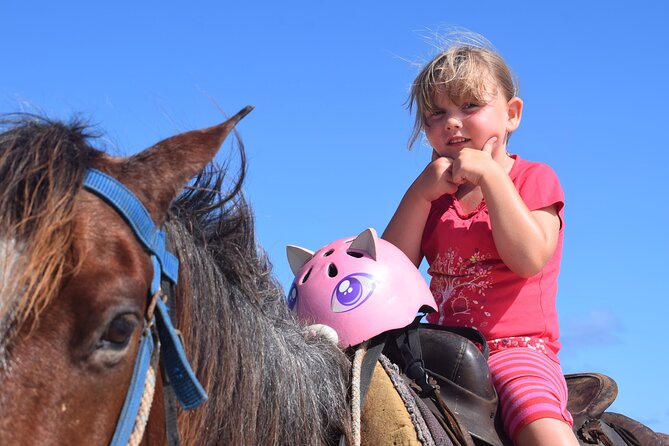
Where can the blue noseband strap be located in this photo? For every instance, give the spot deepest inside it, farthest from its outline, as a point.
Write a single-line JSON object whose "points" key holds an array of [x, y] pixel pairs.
{"points": [[187, 388]]}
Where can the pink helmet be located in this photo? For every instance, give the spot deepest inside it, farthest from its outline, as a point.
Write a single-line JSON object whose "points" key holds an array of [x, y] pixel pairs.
{"points": [[360, 286]]}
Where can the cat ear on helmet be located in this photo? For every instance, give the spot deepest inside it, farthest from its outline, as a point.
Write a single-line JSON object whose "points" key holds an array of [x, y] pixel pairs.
{"points": [[297, 257], [366, 241]]}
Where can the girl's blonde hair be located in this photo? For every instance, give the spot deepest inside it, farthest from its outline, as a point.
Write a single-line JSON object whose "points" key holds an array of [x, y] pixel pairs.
{"points": [[464, 71]]}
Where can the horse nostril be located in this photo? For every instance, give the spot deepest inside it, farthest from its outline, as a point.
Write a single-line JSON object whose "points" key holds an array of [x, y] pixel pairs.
{"points": [[332, 270]]}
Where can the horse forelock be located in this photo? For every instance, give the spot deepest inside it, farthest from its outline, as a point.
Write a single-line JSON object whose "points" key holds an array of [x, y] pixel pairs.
{"points": [[42, 164]]}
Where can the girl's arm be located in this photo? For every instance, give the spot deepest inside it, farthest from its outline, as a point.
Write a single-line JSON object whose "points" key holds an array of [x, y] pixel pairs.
{"points": [[405, 229], [524, 239]]}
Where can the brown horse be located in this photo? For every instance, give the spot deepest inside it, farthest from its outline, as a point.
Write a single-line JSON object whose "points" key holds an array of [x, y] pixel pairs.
{"points": [[75, 293]]}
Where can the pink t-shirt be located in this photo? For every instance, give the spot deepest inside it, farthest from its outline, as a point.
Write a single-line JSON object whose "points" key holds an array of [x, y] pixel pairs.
{"points": [[471, 284]]}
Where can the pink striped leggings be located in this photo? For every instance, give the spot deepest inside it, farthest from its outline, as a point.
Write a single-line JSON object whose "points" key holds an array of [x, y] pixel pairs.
{"points": [[530, 386]]}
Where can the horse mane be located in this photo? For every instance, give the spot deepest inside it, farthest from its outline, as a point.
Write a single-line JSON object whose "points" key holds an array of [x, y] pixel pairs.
{"points": [[269, 381], [42, 163]]}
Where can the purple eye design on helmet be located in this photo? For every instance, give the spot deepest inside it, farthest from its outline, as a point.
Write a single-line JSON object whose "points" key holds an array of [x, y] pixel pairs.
{"points": [[291, 299], [351, 292]]}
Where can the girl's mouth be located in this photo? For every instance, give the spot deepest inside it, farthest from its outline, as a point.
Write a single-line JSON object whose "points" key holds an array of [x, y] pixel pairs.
{"points": [[458, 140]]}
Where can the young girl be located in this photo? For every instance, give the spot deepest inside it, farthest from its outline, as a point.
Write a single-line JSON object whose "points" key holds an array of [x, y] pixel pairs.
{"points": [[490, 226]]}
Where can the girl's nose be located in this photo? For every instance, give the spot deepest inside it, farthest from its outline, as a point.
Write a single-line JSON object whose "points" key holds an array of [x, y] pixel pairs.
{"points": [[453, 122]]}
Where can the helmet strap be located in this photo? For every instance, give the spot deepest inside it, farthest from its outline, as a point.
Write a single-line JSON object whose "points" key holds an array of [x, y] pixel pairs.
{"points": [[408, 343]]}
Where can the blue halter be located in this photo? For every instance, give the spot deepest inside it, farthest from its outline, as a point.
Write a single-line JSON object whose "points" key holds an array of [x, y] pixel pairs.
{"points": [[187, 388]]}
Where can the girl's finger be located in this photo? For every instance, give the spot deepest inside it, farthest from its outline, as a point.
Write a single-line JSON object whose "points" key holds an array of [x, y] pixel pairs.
{"points": [[488, 146]]}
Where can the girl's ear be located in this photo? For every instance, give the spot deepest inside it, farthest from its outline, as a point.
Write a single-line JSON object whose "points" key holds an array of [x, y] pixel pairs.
{"points": [[514, 113]]}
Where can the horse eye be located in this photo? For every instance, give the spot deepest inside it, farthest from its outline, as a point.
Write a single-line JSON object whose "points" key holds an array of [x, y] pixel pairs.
{"points": [[119, 331]]}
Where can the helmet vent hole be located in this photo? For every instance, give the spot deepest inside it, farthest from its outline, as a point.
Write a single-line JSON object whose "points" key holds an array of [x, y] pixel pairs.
{"points": [[332, 270], [355, 254], [328, 253], [306, 276]]}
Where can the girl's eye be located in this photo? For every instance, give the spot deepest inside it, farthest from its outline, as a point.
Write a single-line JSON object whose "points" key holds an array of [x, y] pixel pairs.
{"points": [[469, 105], [433, 116]]}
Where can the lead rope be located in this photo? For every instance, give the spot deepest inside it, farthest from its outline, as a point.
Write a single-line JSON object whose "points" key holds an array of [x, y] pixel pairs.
{"points": [[144, 407], [149, 389], [355, 395], [364, 362]]}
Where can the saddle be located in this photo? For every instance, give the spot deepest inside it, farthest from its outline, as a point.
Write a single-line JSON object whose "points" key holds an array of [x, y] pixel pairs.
{"points": [[447, 373], [459, 393]]}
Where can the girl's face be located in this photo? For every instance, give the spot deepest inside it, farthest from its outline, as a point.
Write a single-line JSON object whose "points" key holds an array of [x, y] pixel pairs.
{"points": [[470, 124]]}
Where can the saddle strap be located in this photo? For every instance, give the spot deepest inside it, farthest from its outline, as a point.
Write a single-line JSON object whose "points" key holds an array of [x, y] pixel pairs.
{"points": [[457, 431], [634, 432], [599, 432], [373, 347], [626, 435]]}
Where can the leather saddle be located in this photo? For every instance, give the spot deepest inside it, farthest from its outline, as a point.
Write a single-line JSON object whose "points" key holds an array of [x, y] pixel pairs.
{"points": [[456, 368]]}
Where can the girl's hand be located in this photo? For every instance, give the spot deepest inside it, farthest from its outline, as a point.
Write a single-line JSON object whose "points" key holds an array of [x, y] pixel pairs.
{"points": [[405, 229], [436, 179], [471, 165]]}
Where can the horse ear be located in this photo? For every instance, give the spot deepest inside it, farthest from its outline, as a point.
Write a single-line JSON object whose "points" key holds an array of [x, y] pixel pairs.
{"points": [[297, 257], [157, 174], [366, 241]]}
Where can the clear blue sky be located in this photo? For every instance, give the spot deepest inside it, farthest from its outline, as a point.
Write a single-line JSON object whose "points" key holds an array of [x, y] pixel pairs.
{"points": [[326, 143]]}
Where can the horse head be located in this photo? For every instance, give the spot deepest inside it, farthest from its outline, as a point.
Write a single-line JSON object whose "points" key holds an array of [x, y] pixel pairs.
{"points": [[75, 277]]}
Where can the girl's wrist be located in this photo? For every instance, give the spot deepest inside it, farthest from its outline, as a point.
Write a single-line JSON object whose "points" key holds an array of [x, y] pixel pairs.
{"points": [[492, 176], [418, 196]]}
